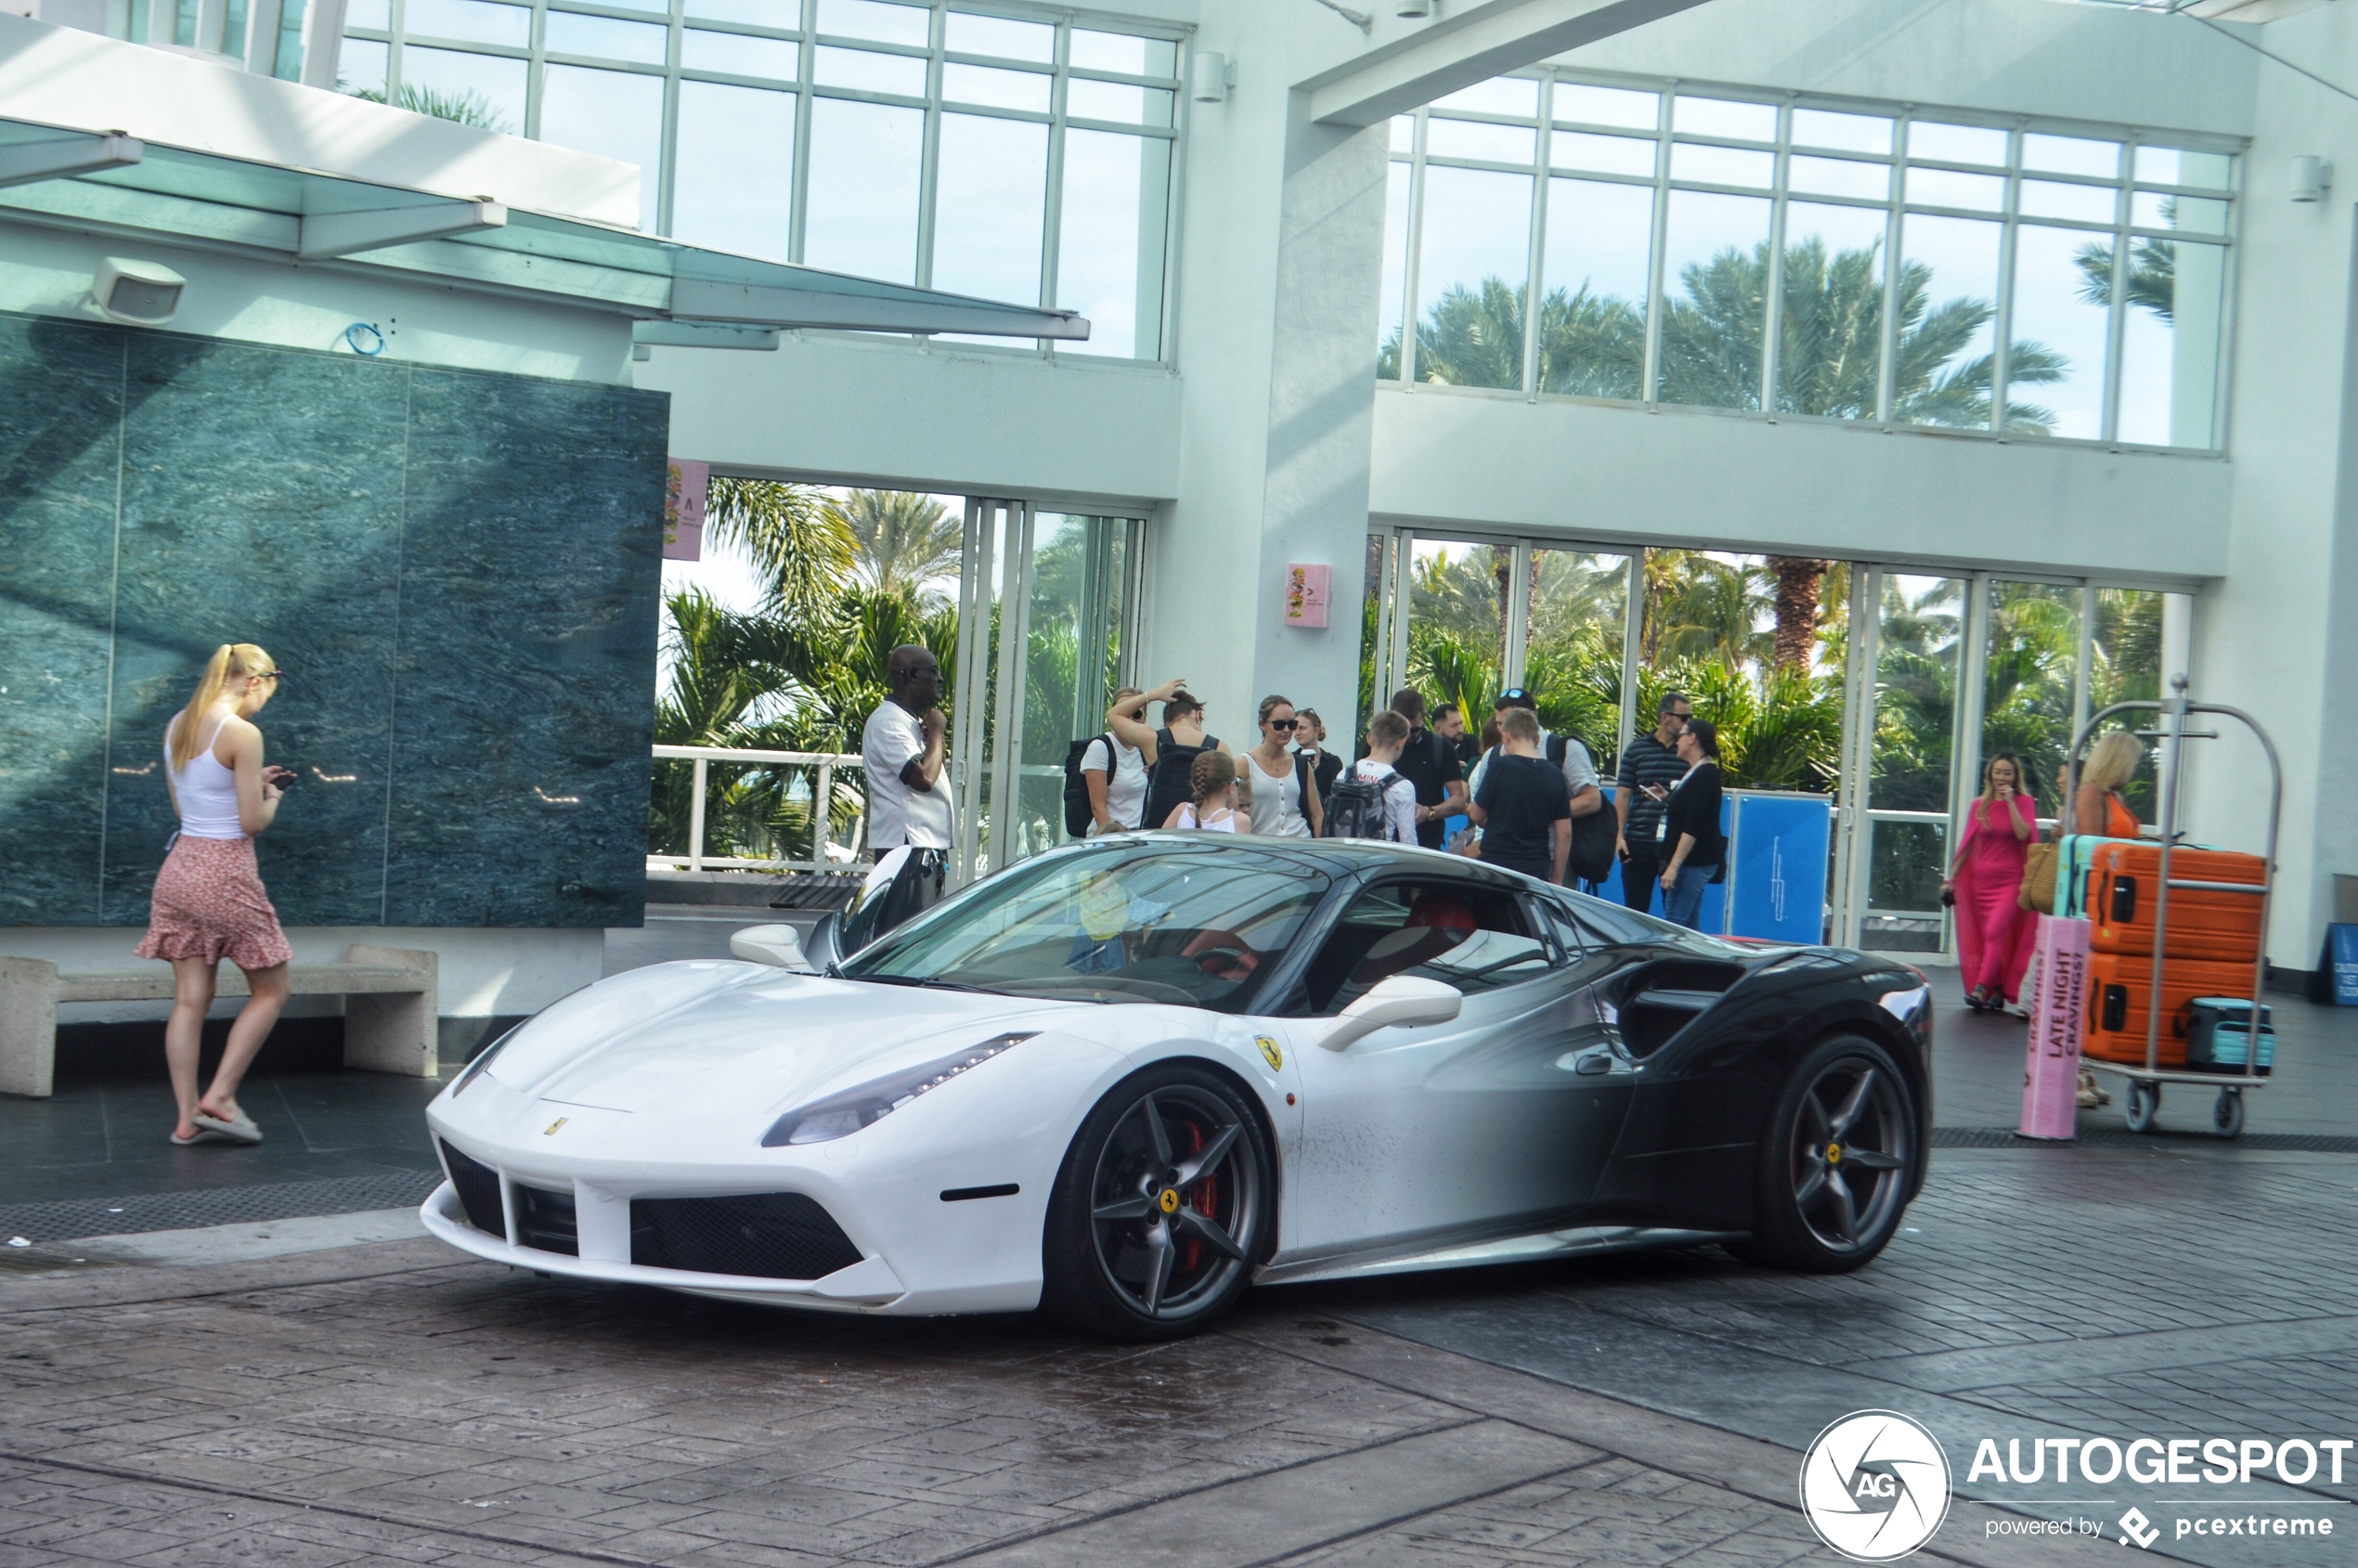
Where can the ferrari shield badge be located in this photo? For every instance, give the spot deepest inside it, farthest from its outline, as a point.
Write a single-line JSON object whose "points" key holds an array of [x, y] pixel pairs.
{"points": [[1276, 1059]]}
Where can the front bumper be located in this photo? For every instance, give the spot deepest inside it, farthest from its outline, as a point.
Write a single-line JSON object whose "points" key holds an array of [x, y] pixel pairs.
{"points": [[868, 1284]]}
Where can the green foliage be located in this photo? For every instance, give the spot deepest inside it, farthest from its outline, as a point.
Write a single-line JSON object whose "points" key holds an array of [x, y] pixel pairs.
{"points": [[901, 543], [468, 108]]}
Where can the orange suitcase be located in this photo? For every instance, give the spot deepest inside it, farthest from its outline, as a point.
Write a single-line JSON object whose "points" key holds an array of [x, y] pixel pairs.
{"points": [[2205, 923], [2120, 988]]}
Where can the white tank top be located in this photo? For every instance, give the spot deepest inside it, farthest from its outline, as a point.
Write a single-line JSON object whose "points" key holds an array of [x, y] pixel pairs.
{"points": [[206, 790], [1186, 817], [1276, 801]]}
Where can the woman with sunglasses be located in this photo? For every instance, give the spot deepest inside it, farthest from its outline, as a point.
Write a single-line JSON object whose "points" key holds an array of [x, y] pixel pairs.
{"points": [[1279, 788], [209, 903]]}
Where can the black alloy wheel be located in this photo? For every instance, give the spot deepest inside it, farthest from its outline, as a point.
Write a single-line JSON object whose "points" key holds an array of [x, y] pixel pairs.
{"points": [[1161, 1209], [1839, 1157]]}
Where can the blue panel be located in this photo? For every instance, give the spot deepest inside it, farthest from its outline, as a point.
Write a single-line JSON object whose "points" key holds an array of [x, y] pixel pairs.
{"points": [[529, 581], [261, 503], [1777, 867], [60, 423]]}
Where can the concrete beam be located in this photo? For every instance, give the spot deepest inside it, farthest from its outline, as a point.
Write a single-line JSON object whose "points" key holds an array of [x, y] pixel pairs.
{"points": [[1472, 44], [696, 298], [343, 234], [29, 162]]}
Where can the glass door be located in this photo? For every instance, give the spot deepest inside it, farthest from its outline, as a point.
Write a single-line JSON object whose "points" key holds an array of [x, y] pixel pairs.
{"points": [[1047, 602], [1574, 645]]}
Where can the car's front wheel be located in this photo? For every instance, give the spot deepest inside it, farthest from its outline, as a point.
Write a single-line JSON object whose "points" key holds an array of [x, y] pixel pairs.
{"points": [[1838, 1158], [1161, 1209]]}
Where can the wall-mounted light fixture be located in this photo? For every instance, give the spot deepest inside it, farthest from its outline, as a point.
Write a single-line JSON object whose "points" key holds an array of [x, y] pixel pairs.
{"points": [[1214, 74], [1414, 8], [2312, 177], [141, 292]]}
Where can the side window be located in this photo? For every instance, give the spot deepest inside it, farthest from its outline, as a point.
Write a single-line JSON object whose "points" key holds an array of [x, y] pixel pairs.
{"points": [[1475, 938]]}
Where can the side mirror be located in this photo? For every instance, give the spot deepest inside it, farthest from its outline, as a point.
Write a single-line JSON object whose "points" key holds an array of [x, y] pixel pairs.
{"points": [[1397, 1003], [780, 946], [824, 947]]}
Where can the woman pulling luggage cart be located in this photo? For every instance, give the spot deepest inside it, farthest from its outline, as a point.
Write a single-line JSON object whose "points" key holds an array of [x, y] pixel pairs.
{"points": [[2176, 932]]}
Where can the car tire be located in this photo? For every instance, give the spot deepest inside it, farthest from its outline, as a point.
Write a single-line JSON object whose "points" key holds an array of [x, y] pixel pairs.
{"points": [[1162, 1209], [1839, 1157]]}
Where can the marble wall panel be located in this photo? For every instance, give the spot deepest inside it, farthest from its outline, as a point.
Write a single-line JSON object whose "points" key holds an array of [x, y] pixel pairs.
{"points": [[262, 503], [530, 578], [61, 386]]}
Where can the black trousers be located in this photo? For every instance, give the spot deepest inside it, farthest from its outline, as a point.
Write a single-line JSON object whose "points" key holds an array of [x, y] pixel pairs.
{"points": [[917, 888], [1640, 876]]}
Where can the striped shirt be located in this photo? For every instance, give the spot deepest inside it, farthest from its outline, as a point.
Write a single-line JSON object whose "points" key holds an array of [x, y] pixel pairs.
{"points": [[1646, 761]]}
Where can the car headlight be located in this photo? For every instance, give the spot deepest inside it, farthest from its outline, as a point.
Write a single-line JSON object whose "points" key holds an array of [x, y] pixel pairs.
{"points": [[839, 1116], [483, 1059]]}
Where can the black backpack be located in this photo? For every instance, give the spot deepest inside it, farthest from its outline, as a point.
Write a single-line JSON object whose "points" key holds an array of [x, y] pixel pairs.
{"points": [[1172, 780], [1355, 808], [1593, 836], [1078, 815]]}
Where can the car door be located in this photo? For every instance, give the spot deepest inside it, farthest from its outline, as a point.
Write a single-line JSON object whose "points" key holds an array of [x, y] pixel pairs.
{"points": [[1415, 1137]]}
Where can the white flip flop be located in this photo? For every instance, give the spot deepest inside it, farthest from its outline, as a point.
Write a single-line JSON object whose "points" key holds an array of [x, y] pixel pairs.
{"points": [[201, 1135], [241, 1131]]}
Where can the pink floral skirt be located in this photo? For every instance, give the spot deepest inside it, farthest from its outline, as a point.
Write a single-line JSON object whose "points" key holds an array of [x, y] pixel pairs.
{"points": [[208, 904]]}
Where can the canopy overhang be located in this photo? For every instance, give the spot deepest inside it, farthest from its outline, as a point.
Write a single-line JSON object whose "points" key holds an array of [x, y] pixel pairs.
{"points": [[119, 186]]}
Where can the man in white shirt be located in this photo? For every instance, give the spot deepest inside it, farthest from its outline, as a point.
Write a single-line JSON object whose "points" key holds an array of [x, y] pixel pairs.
{"points": [[908, 784]]}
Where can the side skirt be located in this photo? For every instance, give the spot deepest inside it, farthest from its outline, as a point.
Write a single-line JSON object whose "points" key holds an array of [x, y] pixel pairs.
{"points": [[1510, 1250]]}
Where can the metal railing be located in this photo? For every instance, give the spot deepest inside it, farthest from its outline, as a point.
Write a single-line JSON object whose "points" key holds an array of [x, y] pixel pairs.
{"points": [[821, 799]]}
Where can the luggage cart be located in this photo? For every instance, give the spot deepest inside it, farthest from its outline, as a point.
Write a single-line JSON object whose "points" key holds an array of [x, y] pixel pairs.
{"points": [[2144, 1082]]}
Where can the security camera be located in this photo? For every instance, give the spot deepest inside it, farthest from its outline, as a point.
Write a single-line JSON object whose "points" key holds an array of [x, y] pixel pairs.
{"points": [[142, 293]]}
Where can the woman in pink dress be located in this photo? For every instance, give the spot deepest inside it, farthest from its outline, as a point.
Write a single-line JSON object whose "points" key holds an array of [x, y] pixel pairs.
{"points": [[1995, 934]]}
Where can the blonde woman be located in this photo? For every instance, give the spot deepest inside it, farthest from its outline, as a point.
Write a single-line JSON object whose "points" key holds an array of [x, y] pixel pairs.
{"points": [[2098, 807], [209, 901]]}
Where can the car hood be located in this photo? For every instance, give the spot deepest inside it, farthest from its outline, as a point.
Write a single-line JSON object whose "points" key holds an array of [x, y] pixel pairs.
{"points": [[693, 1037]]}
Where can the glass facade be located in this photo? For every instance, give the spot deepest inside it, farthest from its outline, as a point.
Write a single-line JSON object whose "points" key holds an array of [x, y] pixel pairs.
{"points": [[1552, 234], [1013, 158]]}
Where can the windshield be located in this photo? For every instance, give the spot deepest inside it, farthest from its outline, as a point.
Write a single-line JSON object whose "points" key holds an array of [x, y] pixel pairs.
{"points": [[1195, 926]]}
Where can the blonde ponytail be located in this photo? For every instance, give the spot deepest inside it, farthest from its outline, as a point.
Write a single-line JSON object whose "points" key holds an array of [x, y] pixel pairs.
{"points": [[231, 661]]}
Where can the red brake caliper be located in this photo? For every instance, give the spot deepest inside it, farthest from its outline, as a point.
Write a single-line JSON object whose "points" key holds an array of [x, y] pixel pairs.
{"points": [[1203, 1197]]}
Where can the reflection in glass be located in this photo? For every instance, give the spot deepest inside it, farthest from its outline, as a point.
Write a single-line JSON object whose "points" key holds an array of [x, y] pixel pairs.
{"points": [[473, 21], [2128, 638], [1607, 106], [990, 200], [863, 213], [1516, 96], [1830, 339], [1593, 315], [1078, 642], [1109, 261], [1477, 140], [1720, 117], [2194, 214], [489, 90], [1722, 165], [1957, 144], [2070, 155], [876, 19], [999, 89], [1845, 133], [2167, 165], [2033, 659], [1115, 100], [2170, 340], [734, 182], [1948, 294], [870, 72], [2061, 312], [1395, 270], [1579, 607], [1125, 53], [1403, 134], [613, 113], [1915, 727], [1009, 39], [360, 68], [1471, 277], [2081, 204], [1947, 187], [570, 34], [1608, 155], [1839, 176], [378, 14], [738, 54], [1715, 287], [1458, 599]]}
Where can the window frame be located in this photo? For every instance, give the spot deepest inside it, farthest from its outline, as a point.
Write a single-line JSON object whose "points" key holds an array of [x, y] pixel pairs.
{"points": [[1346, 895], [1413, 151]]}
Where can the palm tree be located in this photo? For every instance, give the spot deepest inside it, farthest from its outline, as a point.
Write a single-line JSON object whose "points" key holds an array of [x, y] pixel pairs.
{"points": [[1798, 577], [467, 107], [903, 541], [801, 546]]}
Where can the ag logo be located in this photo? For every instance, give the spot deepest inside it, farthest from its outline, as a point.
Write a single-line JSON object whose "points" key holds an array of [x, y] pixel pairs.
{"points": [[1270, 1053], [1875, 1486]]}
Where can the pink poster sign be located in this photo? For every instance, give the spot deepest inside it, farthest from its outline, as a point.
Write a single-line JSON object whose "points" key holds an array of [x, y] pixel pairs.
{"points": [[1306, 595], [683, 510]]}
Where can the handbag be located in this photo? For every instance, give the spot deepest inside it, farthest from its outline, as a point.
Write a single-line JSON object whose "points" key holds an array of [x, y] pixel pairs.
{"points": [[2037, 892]]}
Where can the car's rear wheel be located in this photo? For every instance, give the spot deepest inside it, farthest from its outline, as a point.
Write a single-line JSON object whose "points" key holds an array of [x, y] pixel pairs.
{"points": [[1838, 1160], [1161, 1209]]}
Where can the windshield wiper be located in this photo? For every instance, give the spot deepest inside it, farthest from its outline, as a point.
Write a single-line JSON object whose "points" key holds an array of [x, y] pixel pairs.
{"points": [[924, 983]]}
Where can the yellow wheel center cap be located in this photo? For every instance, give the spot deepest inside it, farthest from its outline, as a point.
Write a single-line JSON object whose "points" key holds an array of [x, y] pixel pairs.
{"points": [[1170, 1200], [1834, 1154]]}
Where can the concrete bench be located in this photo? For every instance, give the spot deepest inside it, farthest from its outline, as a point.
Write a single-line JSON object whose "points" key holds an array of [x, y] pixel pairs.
{"points": [[389, 1012]]}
